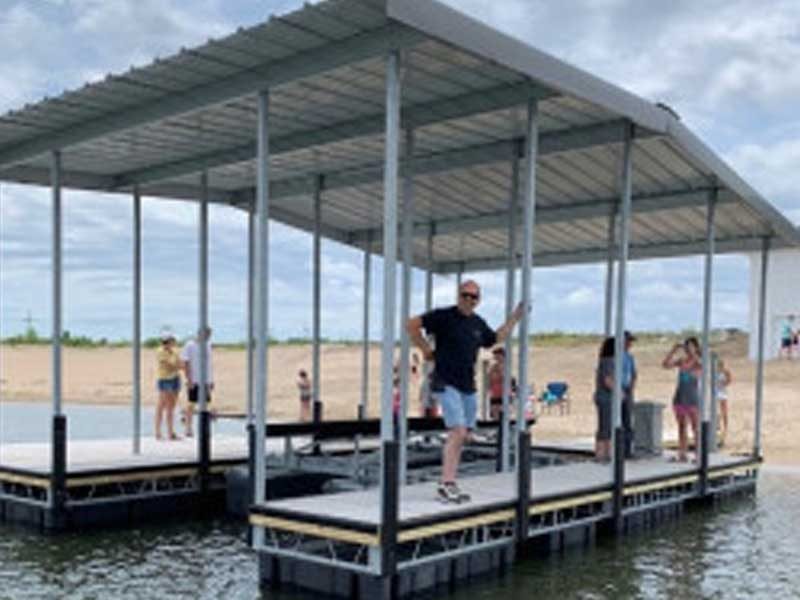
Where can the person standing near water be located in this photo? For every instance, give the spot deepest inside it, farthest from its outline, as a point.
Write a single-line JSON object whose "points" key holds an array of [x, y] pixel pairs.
{"points": [[686, 401], [603, 399], [724, 379], [168, 362], [191, 366], [459, 332], [304, 389], [629, 376], [787, 337]]}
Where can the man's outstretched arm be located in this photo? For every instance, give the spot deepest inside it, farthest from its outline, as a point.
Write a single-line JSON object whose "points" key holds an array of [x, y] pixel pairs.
{"points": [[414, 328], [505, 329]]}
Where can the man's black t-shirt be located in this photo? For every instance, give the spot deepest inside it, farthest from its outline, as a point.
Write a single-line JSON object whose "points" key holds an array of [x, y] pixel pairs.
{"points": [[458, 338]]}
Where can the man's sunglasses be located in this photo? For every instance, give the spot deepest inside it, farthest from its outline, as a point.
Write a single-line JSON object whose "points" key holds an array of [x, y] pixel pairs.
{"points": [[470, 296]]}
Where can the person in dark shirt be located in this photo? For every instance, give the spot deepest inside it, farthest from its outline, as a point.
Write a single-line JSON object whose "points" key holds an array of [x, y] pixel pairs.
{"points": [[458, 332]]}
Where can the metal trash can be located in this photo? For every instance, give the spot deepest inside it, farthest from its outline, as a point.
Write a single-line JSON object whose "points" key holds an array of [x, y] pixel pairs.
{"points": [[647, 428]]}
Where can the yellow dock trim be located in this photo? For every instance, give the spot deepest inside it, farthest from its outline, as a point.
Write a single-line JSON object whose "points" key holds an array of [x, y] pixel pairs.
{"points": [[39, 482], [419, 533], [546, 507], [111, 478], [737, 470], [321, 531], [660, 485]]}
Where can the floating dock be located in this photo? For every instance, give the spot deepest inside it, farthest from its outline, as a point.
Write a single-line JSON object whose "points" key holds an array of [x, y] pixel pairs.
{"points": [[105, 484], [336, 545]]}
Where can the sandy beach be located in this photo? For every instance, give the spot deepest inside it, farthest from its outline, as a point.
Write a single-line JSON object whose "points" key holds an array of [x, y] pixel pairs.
{"points": [[102, 376]]}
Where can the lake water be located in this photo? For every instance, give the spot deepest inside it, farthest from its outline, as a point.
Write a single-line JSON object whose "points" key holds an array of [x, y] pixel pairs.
{"points": [[748, 548], [30, 422]]}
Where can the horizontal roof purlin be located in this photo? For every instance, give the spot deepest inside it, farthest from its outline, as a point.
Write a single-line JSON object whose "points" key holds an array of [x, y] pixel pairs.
{"points": [[465, 88]]}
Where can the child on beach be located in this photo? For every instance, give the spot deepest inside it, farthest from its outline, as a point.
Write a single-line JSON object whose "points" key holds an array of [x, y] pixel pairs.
{"points": [[304, 388]]}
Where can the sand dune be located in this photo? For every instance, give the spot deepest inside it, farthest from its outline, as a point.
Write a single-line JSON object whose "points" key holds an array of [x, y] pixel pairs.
{"points": [[102, 376]]}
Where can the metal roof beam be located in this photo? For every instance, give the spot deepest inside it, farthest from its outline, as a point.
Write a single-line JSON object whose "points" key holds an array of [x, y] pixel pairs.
{"points": [[549, 143], [244, 200], [69, 179], [304, 64], [414, 116], [595, 255]]}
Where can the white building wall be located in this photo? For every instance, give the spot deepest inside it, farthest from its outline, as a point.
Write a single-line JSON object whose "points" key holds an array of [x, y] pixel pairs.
{"points": [[783, 297]]}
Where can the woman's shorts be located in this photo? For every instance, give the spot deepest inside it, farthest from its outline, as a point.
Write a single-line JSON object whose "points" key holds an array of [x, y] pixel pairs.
{"points": [[603, 406], [169, 385], [786, 343], [685, 410]]}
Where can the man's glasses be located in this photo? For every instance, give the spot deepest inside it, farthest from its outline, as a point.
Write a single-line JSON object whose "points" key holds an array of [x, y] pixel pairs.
{"points": [[470, 296]]}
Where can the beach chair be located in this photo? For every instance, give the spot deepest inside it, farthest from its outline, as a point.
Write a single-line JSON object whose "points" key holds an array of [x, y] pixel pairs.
{"points": [[556, 393]]}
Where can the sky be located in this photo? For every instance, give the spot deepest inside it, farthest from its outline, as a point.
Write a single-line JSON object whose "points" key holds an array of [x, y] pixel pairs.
{"points": [[730, 68]]}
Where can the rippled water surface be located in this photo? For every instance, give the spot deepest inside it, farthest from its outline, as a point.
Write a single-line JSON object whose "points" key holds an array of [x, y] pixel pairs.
{"points": [[748, 548]]}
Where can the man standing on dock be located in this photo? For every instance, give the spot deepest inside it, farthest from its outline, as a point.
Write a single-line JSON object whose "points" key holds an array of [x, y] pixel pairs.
{"points": [[458, 332], [190, 355]]}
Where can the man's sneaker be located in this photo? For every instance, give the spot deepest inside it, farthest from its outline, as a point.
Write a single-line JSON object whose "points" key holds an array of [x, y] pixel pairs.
{"points": [[449, 492]]}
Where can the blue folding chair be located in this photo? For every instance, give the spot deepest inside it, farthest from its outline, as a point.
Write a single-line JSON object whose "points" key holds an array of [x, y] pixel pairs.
{"points": [[556, 393]]}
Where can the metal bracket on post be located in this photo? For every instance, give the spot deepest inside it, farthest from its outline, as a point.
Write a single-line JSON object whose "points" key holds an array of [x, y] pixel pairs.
{"points": [[58, 477], [500, 445], [705, 430], [251, 462], [389, 508], [204, 423], [523, 486], [317, 419], [619, 479]]}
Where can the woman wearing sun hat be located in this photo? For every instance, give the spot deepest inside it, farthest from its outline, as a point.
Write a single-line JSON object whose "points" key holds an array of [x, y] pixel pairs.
{"points": [[168, 361]]}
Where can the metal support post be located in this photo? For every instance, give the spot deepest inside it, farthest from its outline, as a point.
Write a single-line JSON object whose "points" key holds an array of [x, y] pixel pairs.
{"points": [[363, 405], [317, 305], [762, 317], [429, 272], [705, 380], [261, 304], [513, 206], [427, 401], [618, 446], [389, 484], [251, 240], [250, 428], [405, 308], [136, 342], [59, 424], [204, 420], [609, 305], [714, 417], [529, 212]]}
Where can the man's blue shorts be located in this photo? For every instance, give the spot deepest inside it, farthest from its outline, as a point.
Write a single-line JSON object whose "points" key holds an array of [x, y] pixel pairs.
{"points": [[459, 409]]}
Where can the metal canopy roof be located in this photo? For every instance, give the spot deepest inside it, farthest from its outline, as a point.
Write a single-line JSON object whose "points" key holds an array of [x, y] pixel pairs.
{"points": [[464, 92]]}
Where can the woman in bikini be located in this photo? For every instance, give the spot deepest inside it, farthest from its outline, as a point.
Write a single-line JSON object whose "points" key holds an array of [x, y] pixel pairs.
{"points": [[686, 358]]}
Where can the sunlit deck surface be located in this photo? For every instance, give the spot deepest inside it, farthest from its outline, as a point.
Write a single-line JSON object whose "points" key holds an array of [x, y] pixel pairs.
{"points": [[418, 502], [92, 455]]}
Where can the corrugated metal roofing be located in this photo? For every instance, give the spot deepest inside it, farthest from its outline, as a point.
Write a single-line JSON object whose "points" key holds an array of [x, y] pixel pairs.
{"points": [[464, 92]]}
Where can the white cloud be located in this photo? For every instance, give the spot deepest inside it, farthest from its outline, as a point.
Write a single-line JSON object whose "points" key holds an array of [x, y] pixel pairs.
{"points": [[772, 168], [581, 297]]}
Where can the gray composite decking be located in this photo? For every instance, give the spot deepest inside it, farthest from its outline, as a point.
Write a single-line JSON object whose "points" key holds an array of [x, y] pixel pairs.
{"points": [[418, 501], [91, 455]]}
